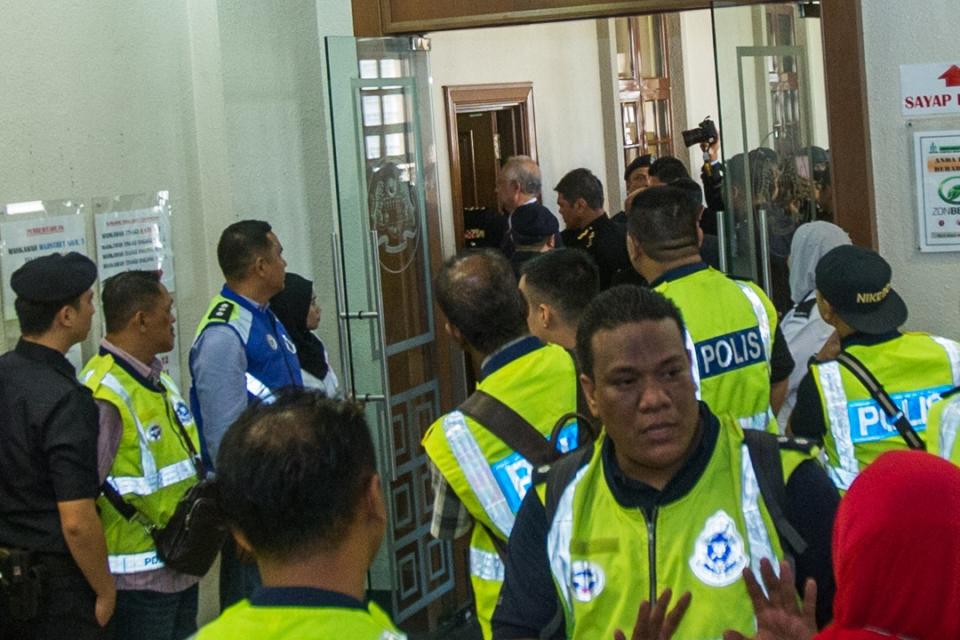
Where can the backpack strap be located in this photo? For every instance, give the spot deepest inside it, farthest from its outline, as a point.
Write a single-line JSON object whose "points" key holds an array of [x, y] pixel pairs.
{"points": [[559, 477], [502, 421], [878, 393], [764, 450]]}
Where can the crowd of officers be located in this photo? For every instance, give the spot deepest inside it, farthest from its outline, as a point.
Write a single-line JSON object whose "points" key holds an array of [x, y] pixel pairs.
{"points": [[621, 447]]}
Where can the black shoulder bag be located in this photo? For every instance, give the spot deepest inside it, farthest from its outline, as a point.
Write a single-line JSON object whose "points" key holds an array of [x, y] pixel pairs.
{"points": [[190, 541]]}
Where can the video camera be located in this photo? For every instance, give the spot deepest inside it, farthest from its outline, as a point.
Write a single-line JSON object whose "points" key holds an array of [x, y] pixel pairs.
{"points": [[706, 131]]}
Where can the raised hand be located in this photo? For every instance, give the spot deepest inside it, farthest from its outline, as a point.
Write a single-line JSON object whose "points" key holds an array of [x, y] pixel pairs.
{"points": [[653, 621], [779, 617]]}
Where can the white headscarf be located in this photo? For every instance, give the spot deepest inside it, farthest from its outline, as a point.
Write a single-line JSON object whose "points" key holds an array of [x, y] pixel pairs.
{"points": [[810, 242]]}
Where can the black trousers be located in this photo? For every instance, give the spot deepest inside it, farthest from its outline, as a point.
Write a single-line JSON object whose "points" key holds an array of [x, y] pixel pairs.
{"points": [[66, 607]]}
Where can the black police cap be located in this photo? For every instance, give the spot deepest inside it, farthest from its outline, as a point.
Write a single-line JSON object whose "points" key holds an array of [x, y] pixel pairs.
{"points": [[54, 277]]}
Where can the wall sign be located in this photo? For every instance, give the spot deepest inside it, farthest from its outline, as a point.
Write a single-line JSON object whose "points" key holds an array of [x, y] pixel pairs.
{"points": [[24, 240], [930, 89], [938, 189]]}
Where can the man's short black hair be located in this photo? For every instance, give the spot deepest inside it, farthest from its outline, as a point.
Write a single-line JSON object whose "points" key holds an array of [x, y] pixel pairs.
{"points": [[620, 305], [566, 279], [126, 293], [477, 291], [240, 245], [639, 162], [691, 188], [36, 318], [291, 474], [581, 183], [667, 169], [663, 221]]}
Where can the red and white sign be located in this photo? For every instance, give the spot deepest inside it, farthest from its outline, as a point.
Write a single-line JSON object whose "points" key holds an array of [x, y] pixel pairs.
{"points": [[930, 89]]}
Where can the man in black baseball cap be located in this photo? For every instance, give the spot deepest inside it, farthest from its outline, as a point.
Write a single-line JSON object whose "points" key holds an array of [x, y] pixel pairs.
{"points": [[856, 297], [534, 230], [49, 480]]}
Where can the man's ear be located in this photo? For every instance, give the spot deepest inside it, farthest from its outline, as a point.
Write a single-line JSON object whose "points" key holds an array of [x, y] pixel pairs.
{"points": [[66, 316], [633, 250], [544, 315], [454, 333], [589, 392], [375, 505], [699, 236], [242, 541], [551, 243]]}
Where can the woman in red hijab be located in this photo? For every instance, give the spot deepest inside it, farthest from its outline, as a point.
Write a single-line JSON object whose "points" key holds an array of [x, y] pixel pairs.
{"points": [[896, 554]]}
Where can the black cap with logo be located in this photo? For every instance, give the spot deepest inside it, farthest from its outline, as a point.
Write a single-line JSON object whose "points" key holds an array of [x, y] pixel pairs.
{"points": [[54, 278], [856, 283]]}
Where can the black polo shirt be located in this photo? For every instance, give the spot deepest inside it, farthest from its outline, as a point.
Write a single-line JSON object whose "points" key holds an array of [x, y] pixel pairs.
{"points": [[528, 599], [48, 446]]}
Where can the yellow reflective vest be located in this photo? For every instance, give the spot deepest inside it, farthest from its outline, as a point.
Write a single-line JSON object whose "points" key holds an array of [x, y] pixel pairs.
{"points": [[605, 559], [152, 469], [914, 368], [490, 478], [943, 423], [730, 330], [244, 620]]}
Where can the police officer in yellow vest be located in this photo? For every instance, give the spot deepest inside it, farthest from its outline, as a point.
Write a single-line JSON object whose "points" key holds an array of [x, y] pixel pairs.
{"points": [[144, 424], [300, 490], [854, 295], [669, 497], [478, 478], [943, 424], [742, 363]]}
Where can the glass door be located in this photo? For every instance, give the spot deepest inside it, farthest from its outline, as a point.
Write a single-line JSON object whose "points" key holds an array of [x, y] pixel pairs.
{"points": [[772, 122], [388, 234]]}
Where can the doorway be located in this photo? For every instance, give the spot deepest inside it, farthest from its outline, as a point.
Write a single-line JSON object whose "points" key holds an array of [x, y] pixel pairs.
{"points": [[486, 125]]}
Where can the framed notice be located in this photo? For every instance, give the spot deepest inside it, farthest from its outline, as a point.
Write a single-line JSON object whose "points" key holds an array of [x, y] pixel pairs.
{"points": [[24, 240], [135, 240], [938, 189]]}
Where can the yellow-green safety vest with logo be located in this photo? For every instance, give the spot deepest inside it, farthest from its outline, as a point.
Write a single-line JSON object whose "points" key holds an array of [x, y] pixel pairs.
{"points": [[243, 620], [152, 469], [914, 368], [943, 423], [605, 558], [730, 330], [490, 478]]}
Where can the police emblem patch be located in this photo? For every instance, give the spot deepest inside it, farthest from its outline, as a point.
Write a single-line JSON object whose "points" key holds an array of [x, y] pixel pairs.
{"points": [[718, 554], [183, 413], [587, 580], [154, 432], [288, 343], [272, 342]]}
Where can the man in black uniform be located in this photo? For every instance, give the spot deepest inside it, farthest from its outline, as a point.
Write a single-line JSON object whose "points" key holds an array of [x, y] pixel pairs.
{"points": [[580, 201], [48, 463]]}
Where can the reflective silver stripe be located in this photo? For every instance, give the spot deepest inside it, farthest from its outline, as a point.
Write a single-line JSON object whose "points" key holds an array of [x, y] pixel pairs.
{"points": [[694, 367], [756, 422], [258, 389], [558, 541], [953, 354], [760, 312], [757, 534], [147, 462], [949, 424], [485, 565], [477, 472], [836, 400], [134, 562], [149, 484]]}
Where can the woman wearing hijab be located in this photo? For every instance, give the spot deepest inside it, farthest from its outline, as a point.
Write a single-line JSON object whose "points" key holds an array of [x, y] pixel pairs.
{"points": [[296, 307], [896, 554], [803, 328]]}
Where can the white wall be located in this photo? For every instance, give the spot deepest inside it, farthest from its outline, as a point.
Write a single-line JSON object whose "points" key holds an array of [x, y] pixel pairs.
{"points": [[700, 79], [561, 61], [895, 34]]}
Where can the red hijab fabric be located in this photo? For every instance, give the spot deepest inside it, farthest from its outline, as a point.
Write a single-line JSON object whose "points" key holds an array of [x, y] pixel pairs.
{"points": [[896, 551]]}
